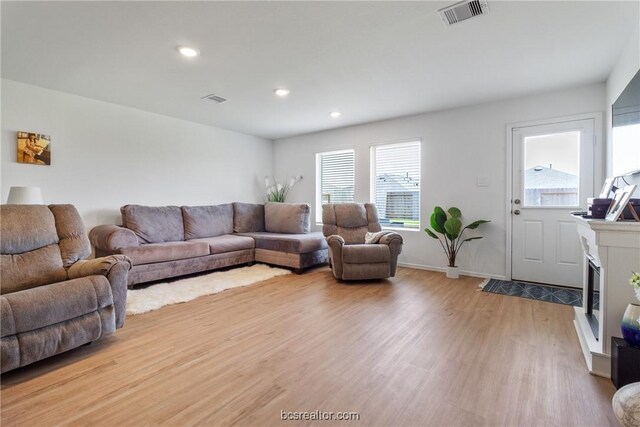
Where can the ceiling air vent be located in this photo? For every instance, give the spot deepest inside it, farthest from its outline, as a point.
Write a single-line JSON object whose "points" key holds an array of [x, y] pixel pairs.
{"points": [[215, 98], [462, 11]]}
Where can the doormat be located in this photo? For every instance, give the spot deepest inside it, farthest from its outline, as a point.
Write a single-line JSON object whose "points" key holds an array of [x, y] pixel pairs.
{"points": [[535, 291]]}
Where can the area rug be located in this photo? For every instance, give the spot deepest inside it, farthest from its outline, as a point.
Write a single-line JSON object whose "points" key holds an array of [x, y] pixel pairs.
{"points": [[557, 295], [156, 296]]}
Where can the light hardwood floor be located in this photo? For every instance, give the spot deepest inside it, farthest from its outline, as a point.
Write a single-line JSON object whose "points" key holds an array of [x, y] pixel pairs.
{"points": [[416, 350]]}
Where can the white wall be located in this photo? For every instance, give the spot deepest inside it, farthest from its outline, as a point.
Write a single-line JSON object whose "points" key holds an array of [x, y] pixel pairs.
{"points": [[458, 145], [626, 67], [105, 155]]}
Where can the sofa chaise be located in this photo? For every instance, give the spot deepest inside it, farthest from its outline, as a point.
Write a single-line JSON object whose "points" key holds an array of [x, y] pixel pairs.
{"points": [[170, 241], [52, 300]]}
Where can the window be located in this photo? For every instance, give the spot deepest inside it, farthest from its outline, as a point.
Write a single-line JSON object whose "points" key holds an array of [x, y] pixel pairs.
{"points": [[552, 169], [395, 185], [335, 179]]}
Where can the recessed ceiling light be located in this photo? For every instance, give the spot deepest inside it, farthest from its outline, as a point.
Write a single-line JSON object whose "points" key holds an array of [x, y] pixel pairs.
{"points": [[188, 51], [335, 114], [282, 92]]}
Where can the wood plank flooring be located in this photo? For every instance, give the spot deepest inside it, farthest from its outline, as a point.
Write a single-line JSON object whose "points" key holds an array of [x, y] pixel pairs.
{"points": [[418, 349]]}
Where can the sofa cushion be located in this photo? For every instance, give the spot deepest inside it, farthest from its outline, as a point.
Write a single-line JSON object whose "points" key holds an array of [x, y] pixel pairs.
{"points": [[350, 215], [30, 269], [154, 224], [227, 243], [291, 218], [365, 254], [26, 227], [36, 308], [248, 217], [207, 221], [292, 243], [168, 251]]}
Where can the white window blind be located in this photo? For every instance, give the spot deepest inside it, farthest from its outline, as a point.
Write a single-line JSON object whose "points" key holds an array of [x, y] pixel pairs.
{"points": [[395, 186], [335, 178]]}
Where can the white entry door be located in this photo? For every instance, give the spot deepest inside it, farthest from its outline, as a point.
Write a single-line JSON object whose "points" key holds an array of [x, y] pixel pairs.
{"points": [[552, 168]]}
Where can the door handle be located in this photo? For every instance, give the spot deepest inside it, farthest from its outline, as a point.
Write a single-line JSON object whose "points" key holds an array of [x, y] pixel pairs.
{"points": [[516, 212]]}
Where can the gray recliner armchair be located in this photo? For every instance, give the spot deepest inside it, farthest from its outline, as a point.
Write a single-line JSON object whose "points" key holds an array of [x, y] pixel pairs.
{"points": [[345, 226], [51, 299]]}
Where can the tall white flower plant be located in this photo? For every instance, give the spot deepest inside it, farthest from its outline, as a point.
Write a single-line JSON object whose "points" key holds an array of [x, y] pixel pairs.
{"points": [[278, 192], [634, 281]]}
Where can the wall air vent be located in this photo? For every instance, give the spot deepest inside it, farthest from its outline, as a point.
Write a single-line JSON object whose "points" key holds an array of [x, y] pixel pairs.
{"points": [[462, 11], [215, 98]]}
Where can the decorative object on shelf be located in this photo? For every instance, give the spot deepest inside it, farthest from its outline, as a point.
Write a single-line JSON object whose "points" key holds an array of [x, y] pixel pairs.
{"points": [[634, 281], [619, 202], [25, 196], [631, 325], [34, 148], [607, 188], [631, 320], [626, 405], [449, 225], [278, 192]]}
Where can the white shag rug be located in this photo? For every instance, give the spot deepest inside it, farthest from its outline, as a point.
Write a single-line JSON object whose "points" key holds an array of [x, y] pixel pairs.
{"points": [[156, 296]]}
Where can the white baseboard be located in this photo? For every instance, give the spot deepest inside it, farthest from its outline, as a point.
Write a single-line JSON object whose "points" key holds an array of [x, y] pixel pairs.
{"points": [[442, 269]]}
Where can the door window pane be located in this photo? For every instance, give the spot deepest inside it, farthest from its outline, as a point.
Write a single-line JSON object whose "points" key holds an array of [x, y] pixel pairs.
{"points": [[552, 169]]}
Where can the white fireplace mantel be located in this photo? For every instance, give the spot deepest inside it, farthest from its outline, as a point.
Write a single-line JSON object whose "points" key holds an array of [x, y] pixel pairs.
{"points": [[615, 248]]}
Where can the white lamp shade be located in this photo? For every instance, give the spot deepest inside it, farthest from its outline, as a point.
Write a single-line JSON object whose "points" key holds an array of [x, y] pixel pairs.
{"points": [[25, 196]]}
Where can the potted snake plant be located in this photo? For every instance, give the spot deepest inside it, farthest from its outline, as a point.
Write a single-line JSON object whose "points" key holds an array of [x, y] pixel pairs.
{"points": [[449, 226]]}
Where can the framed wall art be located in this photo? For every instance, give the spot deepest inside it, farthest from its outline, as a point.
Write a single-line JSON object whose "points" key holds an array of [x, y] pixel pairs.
{"points": [[34, 148], [619, 202]]}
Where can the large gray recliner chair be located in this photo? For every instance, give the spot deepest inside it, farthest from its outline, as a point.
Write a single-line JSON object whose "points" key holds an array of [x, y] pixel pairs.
{"points": [[345, 226], [51, 299]]}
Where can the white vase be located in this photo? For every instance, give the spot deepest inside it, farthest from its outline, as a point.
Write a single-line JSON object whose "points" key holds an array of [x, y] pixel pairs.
{"points": [[630, 326], [453, 272]]}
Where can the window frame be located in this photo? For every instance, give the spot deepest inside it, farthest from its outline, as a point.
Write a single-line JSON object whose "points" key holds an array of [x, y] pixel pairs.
{"points": [[372, 176], [318, 195]]}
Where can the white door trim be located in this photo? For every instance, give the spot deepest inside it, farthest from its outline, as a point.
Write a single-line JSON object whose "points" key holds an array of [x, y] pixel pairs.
{"points": [[598, 163]]}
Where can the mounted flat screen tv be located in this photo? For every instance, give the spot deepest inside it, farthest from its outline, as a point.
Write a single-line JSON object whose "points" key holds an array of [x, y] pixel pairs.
{"points": [[625, 114]]}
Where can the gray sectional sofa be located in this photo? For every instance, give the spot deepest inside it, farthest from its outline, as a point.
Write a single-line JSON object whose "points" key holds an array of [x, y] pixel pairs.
{"points": [[170, 241]]}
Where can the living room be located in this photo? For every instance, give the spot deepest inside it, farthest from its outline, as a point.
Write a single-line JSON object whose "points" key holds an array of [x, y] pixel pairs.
{"points": [[313, 96]]}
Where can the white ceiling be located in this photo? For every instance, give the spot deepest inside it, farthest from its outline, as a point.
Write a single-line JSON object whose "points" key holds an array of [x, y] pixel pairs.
{"points": [[369, 60]]}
